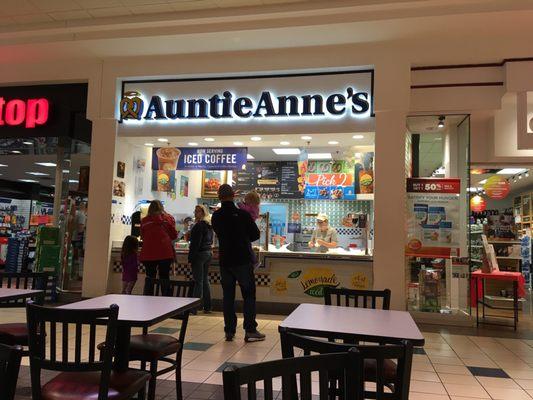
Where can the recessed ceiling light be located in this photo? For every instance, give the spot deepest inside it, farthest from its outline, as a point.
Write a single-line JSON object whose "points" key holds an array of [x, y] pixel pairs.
{"points": [[285, 143], [28, 180], [286, 151], [46, 164], [511, 171], [73, 181], [27, 143], [256, 138], [162, 139], [149, 144], [66, 171], [37, 173], [192, 144], [250, 157], [319, 156], [333, 142], [238, 143], [358, 137], [209, 139], [306, 138], [3, 165], [16, 152]]}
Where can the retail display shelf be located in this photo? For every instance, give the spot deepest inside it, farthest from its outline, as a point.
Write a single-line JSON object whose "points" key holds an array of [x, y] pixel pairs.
{"points": [[504, 241], [508, 258]]}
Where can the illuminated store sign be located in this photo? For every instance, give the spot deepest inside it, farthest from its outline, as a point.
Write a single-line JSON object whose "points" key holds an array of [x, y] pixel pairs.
{"points": [[231, 106], [28, 113]]}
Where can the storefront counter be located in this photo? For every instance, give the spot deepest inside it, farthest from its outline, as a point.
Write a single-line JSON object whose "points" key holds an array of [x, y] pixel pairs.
{"points": [[283, 279]]}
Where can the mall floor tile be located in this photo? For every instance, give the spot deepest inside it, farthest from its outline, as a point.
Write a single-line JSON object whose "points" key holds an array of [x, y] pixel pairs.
{"points": [[454, 364]]}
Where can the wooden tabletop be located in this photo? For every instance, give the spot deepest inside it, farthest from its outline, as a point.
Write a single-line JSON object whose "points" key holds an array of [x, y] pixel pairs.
{"points": [[17, 294], [363, 323], [139, 311]]}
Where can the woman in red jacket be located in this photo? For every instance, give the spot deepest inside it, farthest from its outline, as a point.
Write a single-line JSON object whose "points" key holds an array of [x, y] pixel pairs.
{"points": [[158, 231]]}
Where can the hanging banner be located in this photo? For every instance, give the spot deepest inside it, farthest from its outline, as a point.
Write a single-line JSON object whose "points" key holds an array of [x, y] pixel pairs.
{"points": [[433, 217], [497, 187], [210, 158]]}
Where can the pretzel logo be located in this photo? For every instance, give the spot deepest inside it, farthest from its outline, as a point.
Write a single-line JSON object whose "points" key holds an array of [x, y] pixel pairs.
{"points": [[131, 106]]}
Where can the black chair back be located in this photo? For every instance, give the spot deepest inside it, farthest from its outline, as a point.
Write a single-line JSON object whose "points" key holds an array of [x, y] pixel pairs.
{"points": [[376, 364], [288, 369], [9, 370], [172, 288], [357, 298], [23, 280], [50, 351]]}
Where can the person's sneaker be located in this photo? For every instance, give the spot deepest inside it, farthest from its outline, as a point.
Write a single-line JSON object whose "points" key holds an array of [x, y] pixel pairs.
{"points": [[229, 337], [254, 336]]}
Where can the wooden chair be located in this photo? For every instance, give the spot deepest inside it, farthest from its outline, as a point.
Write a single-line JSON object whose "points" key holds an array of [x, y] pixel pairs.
{"points": [[17, 333], [357, 298], [387, 366], [81, 377], [342, 365], [154, 347], [9, 370]]}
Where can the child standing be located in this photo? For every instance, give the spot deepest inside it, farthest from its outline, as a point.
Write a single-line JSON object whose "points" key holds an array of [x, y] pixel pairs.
{"points": [[251, 204], [130, 263]]}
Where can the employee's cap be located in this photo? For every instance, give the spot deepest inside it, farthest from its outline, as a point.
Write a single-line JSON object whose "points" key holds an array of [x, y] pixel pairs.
{"points": [[322, 217], [225, 191]]}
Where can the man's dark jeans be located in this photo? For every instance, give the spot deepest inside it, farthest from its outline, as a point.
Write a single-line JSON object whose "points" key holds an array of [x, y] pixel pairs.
{"points": [[230, 276]]}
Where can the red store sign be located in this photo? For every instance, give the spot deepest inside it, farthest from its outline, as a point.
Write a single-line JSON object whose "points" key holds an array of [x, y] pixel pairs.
{"points": [[433, 185], [30, 112]]}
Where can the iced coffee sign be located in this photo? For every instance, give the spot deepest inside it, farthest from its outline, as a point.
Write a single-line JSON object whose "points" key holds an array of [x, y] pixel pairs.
{"points": [[209, 158], [433, 217]]}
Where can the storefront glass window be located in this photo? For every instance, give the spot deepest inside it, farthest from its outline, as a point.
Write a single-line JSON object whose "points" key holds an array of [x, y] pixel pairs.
{"points": [[437, 238]]}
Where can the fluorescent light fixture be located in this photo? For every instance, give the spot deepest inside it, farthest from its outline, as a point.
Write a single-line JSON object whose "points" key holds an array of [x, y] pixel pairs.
{"points": [[511, 171], [256, 138], [28, 180], [238, 143], [284, 143], [73, 181], [27, 143], [162, 139], [333, 142], [319, 156], [46, 164], [306, 138], [209, 139], [3, 165], [474, 189], [149, 144], [250, 157], [37, 173], [66, 171], [192, 144], [286, 151], [16, 152], [358, 137]]}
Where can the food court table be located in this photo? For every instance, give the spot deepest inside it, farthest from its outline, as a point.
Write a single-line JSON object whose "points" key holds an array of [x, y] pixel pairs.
{"points": [[136, 312], [350, 323], [8, 294], [478, 292]]}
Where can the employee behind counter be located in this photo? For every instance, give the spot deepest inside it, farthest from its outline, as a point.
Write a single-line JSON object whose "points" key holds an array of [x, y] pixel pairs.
{"points": [[324, 237]]}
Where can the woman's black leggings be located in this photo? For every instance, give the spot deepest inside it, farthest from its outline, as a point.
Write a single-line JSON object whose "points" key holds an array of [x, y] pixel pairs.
{"points": [[154, 268]]}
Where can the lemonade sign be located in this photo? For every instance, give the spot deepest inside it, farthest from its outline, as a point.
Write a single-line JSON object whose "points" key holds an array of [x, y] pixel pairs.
{"points": [[314, 280]]}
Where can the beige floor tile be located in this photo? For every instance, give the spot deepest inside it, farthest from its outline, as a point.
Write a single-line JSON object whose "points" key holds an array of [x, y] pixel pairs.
{"points": [[476, 391], [458, 379], [519, 374], [215, 379], [487, 382], [508, 394], [424, 376], [525, 383], [451, 369], [192, 375], [427, 387], [427, 396], [446, 360], [204, 365], [428, 367]]}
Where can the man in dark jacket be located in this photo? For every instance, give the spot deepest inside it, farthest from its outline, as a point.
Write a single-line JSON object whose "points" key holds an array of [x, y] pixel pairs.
{"points": [[236, 230]]}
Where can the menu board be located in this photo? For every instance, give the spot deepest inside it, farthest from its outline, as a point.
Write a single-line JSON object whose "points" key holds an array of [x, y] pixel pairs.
{"points": [[289, 180]]}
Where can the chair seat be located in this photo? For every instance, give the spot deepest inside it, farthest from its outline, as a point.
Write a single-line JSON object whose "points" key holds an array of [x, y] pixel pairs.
{"points": [[13, 334], [389, 370], [152, 346], [85, 385]]}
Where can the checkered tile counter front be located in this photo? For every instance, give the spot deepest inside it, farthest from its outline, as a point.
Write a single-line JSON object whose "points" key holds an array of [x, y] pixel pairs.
{"points": [[185, 270]]}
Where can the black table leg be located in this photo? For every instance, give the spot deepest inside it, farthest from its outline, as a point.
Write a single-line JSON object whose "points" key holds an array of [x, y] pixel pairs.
{"points": [[515, 303], [477, 301], [483, 296], [122, 350]]}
